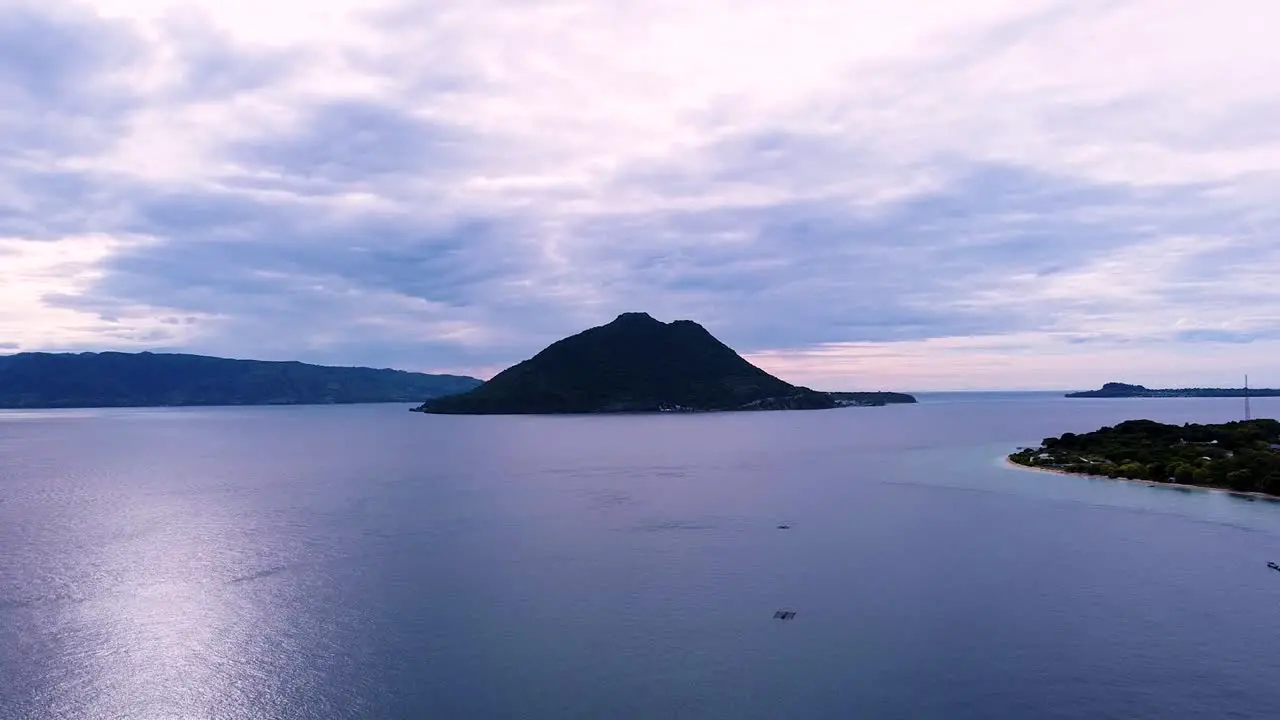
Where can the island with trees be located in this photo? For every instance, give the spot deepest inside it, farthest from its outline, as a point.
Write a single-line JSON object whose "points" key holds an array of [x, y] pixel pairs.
{"points": [[1242, 456], [1125, 390], [638, 364], [872, 398], [113, 379]]}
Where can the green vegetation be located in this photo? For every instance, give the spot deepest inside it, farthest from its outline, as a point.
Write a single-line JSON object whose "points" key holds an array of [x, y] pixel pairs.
{"points": [[635, 364], [110, 379], [1242, 456], [872, 398]]}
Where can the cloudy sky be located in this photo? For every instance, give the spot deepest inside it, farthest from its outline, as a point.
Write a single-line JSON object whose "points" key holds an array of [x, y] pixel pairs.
{"points": [[909, 194]]}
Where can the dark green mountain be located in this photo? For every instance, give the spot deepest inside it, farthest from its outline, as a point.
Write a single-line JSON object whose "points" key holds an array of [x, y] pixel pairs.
{"points": [[634, 364], [111, 379], [1124, 390]]}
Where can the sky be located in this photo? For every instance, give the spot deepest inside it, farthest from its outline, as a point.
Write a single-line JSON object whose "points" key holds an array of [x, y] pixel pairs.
{"points": [[866, 194]]}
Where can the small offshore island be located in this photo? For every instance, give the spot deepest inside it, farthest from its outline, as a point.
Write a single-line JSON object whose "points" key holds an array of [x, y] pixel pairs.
{"points": [[1124, 390], [1242, 456], [639, 364]]}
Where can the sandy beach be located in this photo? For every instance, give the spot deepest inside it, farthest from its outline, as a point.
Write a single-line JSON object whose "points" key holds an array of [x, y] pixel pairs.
{"points": [[1151, 483]]}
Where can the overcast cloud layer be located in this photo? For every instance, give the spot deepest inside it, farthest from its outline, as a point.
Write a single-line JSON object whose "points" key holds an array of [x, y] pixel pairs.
{"points": [[915, 194]]}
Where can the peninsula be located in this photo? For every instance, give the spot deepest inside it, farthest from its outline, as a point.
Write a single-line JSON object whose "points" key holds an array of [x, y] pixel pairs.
{"points": [[639, 364], [112, 379], [1124, 390], [1243, 456]]}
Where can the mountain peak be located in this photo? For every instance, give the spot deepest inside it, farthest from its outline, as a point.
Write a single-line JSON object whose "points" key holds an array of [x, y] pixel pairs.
{"points": [[635, 317], [633, 364]]}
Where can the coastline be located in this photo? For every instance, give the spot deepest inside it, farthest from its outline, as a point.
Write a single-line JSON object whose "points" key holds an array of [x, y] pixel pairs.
{"points": [[1149, 483]]}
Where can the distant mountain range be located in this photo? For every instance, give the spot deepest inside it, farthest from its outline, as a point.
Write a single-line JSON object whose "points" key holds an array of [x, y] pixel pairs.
{"points": [[111, 379], [638, 364], [1123, 390]]}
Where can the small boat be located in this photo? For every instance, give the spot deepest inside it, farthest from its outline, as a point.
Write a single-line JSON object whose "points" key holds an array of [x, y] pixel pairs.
{"points": [[1273, 566], [784, 614]]}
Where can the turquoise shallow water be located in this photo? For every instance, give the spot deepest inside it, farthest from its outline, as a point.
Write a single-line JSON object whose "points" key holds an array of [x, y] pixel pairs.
{"points": [[365, 561]]}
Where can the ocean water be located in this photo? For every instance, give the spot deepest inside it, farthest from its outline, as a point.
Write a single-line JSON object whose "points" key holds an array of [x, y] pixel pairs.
{"points": [[368, 562]]}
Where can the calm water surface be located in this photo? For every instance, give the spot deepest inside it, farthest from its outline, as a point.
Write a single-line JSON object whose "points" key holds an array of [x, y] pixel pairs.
{"points": [[368, 562]]}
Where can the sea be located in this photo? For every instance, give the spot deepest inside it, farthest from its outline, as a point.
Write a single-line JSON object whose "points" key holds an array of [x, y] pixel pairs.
{"points": [[367, 562]]}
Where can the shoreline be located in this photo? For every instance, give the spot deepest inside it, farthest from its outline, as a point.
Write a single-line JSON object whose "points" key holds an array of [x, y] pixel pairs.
{"points": [[1149, 483]]}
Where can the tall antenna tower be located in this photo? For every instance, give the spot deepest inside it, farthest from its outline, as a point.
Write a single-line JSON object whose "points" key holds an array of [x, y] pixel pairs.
{"points": [[1247, 415]]}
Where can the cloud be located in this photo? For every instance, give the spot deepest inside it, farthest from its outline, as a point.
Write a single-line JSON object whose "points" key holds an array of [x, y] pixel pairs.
{"points": [[31, 315], [985, 193], [355, 144], [61, 63], [1001, 362]]}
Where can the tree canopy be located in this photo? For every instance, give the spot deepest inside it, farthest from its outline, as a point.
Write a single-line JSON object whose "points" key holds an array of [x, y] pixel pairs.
{"points": [[1242, 456]]}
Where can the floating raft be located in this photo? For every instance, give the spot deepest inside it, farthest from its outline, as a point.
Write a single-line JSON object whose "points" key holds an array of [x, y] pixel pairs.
{"points": [[784, 614]]}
